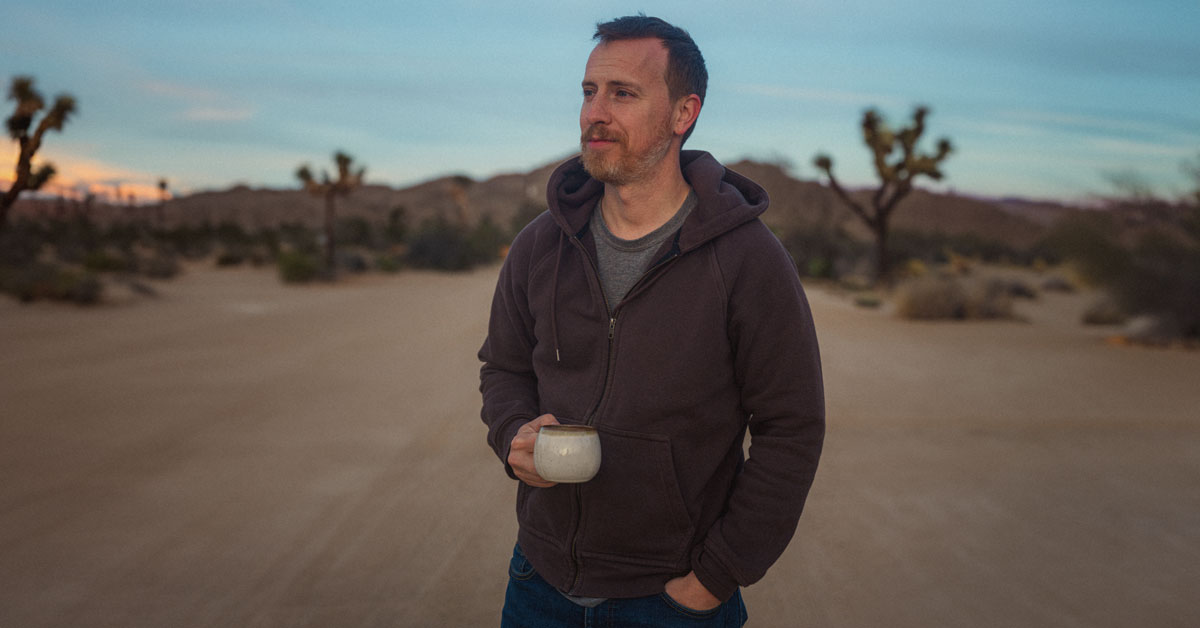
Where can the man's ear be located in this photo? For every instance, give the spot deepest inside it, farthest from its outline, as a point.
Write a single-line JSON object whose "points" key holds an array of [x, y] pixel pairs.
{"points": [[687, 109]]}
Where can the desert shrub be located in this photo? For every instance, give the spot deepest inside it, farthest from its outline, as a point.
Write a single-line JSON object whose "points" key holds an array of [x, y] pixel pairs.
{"points": [[1158, 276], [21, 243], [440, 245], [79, 287], [1020, 289], [162, 265], [74, 238], [1016, 288], [388, 263], [1163, 280], [49, 281], [871, 301], [485, 240], [192, 242], [299, 238], [820, 267], [1090, 242], [943, 248], [1104, 311], [355, 231], [914, 268], [102, 260], [123, 235], [231, 234], [820, 253], [942, 297], [268, 240], [395, 231], [1057, 284], [259, 256], [988, 299], [231, 256], [931, 297], [352, 261], [298, 266]]}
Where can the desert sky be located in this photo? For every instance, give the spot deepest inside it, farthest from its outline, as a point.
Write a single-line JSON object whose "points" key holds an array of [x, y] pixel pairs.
{"points": [[1042, 99]]}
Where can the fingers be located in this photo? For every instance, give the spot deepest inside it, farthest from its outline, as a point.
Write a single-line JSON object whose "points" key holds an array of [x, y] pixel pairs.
{"points": [[520, 452], [545, 419]]}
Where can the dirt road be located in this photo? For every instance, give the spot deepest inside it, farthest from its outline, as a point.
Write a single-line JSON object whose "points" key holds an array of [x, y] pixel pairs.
{"points": [[240, 453]]}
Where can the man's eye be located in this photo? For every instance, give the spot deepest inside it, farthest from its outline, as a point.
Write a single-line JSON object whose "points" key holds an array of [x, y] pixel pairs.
{"points": [[624, 94]]}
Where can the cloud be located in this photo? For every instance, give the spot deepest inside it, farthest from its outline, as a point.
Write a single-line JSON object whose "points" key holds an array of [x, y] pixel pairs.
{"points": [[178, 91], [217, 114], [988, 126], [204, 104], [1090, 122], [830, 96], [1132, 148]]}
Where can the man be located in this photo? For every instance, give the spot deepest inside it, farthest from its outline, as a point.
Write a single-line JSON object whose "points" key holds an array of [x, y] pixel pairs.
{"points": [[651, 303]]}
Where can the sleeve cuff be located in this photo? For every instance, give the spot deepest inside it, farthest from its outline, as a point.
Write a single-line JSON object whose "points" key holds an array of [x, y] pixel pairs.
{"points": [[713, 575], [504, 442]]}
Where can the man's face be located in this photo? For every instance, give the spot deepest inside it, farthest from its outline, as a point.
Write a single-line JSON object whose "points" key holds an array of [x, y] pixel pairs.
{"points": [[626, 119]]}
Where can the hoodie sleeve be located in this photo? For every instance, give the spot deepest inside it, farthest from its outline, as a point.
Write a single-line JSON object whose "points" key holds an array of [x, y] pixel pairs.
{"points": [[506, 379], [779, 373]]}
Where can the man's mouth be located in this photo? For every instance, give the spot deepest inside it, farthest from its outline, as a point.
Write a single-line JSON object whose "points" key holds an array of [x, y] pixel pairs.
{"points": [[594, 139]]}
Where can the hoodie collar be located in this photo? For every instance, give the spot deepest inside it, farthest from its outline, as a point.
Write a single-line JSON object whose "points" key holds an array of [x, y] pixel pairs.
{"points": [[724, 198]]}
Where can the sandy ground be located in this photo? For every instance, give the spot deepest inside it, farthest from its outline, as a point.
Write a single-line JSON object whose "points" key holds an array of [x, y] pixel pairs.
{"points": [[240, 453]]}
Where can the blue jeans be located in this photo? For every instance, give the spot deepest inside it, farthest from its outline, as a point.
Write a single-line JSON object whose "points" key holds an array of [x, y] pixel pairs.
{"points": [[531, 602]]}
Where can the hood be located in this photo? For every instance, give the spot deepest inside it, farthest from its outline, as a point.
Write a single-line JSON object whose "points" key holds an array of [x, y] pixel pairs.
{"points": [[725, 199]]}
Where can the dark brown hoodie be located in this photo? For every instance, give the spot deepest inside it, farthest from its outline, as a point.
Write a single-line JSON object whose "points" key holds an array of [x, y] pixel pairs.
{"points": [[715, 338]]}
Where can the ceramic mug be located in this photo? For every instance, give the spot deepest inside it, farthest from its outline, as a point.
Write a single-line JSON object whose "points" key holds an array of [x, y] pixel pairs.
{"points": [[567, 453]]}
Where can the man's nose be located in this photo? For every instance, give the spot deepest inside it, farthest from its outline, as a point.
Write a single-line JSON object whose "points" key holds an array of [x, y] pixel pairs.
{"points": [[595, 111]]}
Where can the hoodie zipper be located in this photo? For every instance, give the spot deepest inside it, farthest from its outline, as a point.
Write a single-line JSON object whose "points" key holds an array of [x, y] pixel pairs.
{"points": [[612, 333], [587, 420]]}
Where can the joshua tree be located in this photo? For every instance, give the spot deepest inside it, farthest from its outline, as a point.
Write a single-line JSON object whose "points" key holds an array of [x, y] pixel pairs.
{"points": [[29, 103], [162, 203], [896, 177], [329, 188]]}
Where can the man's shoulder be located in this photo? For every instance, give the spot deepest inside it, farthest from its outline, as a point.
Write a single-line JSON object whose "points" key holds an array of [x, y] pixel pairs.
{"points": [[753, 247], [751, 238], [536, 240]]}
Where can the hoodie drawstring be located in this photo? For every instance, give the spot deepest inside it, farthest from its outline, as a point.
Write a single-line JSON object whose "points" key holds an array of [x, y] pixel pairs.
{"points": [[554, 297]]}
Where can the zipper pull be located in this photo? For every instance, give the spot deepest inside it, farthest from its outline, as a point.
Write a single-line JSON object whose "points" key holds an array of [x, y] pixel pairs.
{"points": [[612, 327]]}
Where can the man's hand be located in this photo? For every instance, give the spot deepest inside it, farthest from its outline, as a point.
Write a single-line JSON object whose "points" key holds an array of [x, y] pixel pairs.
{"points": [[520, 453], [688, 592]]}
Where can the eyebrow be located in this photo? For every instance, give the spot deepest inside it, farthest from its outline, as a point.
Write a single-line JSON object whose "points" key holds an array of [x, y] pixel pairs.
{"points": [[614, 84]]}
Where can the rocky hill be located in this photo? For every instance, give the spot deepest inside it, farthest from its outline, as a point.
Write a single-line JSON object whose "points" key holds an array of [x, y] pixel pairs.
{"points": [[795, 203]]}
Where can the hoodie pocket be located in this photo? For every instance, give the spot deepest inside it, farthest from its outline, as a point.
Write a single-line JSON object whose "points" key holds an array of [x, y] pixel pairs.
{"points": [[633, 511], [546, 513]]}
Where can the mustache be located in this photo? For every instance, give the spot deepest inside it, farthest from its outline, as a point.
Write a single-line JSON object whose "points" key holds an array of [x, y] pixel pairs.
{"points": [[595, 132]]}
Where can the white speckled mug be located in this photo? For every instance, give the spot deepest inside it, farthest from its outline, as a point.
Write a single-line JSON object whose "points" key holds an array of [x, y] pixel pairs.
{"points": [[567, 453]]}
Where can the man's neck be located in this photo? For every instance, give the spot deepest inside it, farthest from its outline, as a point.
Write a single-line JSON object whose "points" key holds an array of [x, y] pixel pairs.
{"points": [[636, 209]]}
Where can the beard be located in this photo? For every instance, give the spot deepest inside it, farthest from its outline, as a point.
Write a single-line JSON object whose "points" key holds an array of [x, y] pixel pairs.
{"points": [[623, 166]]}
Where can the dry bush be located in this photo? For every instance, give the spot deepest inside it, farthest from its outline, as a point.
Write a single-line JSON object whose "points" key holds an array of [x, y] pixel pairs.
{"points": [[1105, 311], [989, 299], [942, 297], [1058, 284], [931, 297]]}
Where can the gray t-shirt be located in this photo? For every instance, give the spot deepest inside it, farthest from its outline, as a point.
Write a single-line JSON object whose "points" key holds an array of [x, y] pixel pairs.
{"points": [[622, 262]]}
